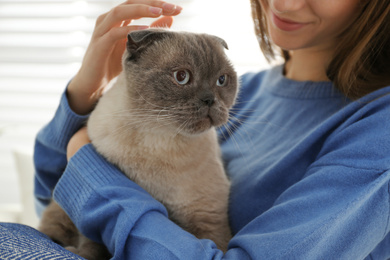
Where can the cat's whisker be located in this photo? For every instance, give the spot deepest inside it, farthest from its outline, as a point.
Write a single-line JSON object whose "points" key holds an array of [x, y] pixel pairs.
{"points": [[159, 116], [141, 123], [243, 115], [144, 99], [235, 126], [159, 124], [154, 105], [238, 102], [235, 141], [128, 126], [181, 128], [236, 122], [260, 120], [129, 117], [153, 112], [132, 111], [153, 118], [132, 114]]}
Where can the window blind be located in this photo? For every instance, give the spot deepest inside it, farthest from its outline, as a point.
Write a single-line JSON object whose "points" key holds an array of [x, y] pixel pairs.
{"points": [[41, 46]]}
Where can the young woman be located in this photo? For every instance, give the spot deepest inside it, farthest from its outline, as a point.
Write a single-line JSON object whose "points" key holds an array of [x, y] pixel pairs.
{"points": [[307, 152]]}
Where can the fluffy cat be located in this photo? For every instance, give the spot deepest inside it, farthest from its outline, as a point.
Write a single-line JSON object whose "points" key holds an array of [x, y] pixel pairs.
{"points": [[157, 124]]}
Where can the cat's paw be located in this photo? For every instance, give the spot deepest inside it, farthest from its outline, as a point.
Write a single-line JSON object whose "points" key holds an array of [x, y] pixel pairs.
{"points": [[97, 253], [72, 249]]}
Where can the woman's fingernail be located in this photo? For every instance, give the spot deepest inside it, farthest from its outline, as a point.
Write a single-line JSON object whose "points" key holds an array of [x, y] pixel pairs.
{"points": [[155, 10], [170, 8], [179, 8], [142, 27]]}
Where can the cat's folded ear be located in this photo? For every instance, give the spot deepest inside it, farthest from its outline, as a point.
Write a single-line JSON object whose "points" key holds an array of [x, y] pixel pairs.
{"points": [[222, 41], [139, 40]]}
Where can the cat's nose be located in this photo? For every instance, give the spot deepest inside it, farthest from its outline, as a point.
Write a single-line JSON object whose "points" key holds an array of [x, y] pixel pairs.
{"points": [[208, 100]]}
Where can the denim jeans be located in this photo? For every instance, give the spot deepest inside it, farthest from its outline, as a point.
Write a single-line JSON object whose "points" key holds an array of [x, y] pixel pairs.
{"points": [[23, 242]]}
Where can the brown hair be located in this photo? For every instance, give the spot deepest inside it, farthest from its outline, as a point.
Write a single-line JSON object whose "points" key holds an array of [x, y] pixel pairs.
{"points": [[361, 62]]}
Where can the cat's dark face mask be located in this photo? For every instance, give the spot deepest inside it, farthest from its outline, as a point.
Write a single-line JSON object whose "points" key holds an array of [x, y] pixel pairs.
{"points": [[184, 79]]}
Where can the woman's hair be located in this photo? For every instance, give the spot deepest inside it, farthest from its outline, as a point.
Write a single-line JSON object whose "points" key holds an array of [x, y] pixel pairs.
{"points": [[361, 61]]}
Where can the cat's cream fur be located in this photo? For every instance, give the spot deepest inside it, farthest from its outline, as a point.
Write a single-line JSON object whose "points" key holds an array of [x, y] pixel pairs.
{"points": [[161, 134]]}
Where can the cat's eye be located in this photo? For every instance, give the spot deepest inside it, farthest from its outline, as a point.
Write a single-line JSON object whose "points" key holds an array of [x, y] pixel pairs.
{"points": [[222, 80], [182, 76]]}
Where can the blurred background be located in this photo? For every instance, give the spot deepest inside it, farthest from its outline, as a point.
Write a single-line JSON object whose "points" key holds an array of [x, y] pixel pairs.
{"points": [[41, 46]]}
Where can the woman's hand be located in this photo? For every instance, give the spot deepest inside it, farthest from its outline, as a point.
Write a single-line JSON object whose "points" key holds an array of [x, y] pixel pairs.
{"points": [[77, 141], [102, 60]]}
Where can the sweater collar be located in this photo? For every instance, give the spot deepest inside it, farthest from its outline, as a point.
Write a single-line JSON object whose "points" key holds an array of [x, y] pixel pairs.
{"points": [[279, 85]]}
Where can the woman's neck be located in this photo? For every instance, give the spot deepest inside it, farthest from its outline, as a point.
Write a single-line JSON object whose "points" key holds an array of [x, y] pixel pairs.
{"points": [[307, 65]]}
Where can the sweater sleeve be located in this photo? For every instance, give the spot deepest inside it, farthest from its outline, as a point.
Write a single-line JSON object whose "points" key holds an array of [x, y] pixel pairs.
{"points": [[50, 151]]}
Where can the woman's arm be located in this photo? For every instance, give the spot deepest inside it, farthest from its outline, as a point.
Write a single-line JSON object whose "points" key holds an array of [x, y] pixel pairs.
{"points": [[50, 151]]}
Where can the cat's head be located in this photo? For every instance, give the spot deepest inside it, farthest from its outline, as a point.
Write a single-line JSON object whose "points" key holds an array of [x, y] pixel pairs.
{"points": [[182, 81]]}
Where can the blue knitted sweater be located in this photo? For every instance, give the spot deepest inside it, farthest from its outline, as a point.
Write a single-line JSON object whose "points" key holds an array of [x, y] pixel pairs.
{"points": [[310, 173]]}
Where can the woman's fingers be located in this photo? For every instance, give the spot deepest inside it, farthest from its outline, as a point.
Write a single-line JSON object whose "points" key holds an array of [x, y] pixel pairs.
{"points": [[128, 12], [119, 33], [77, 141], [168, 8], [165, 21]]}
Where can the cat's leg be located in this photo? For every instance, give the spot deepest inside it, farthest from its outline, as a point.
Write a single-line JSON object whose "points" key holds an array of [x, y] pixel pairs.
{"points": [[212, 225], [204, 221], [59, 227], [90, 250], [56, 224]]}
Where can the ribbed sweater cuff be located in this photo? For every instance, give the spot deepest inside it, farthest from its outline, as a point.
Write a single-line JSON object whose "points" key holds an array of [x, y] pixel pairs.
{"points": [[85, 173]]}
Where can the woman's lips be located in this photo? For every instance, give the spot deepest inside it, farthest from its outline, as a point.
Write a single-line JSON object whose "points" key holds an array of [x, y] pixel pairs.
{"points": [[286, 25]]}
